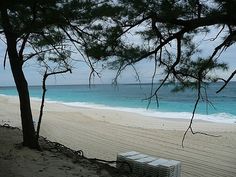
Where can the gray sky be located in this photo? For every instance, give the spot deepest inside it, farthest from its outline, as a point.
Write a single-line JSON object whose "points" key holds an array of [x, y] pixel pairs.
{"points": [[81, 71]]}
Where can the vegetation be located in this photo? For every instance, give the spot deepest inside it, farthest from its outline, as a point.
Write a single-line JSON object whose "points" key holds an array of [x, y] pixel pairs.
{"points": [[48, 31], [43, 31], [165, 32]]}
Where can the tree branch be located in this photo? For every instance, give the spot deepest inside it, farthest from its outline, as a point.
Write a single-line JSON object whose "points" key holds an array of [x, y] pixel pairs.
{"points": [[225, 43], [45, 76], [153, 77], [36, 53], [211, 19], [5, 59], [25, 38], [217, 35], [170, 69], [227, 81]]}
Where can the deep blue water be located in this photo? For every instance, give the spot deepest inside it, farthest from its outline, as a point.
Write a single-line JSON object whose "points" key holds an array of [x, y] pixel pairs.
{"points": [[132, 97]]}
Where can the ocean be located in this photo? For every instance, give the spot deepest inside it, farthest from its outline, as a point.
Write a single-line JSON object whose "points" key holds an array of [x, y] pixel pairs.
{"points": [[133, 98]]}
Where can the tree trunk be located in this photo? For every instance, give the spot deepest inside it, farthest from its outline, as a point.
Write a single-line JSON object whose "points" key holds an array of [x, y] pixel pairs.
{"points": [[29, 136]]}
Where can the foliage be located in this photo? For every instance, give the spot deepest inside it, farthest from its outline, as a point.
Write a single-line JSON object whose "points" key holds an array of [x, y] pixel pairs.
{"points": [[164, 31], [47, 31], [167, 29]]}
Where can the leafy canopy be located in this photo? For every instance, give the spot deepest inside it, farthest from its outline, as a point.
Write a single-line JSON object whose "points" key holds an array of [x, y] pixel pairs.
{"points": [[165, 32], [50, 30]]}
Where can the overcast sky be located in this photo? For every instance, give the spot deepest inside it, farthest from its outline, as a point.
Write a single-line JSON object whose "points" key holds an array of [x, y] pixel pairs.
{"points": [[80, 73]]}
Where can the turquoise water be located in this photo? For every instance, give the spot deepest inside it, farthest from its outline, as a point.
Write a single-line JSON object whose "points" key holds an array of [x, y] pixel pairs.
{"points": [[131, 98]]}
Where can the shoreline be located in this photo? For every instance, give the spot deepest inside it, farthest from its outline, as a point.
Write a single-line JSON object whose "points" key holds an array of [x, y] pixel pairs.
{"points": [[222, 118], [104, 133]]}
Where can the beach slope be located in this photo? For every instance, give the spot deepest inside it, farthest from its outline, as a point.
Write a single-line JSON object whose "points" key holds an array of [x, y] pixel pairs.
{"points": [[104, 133]]}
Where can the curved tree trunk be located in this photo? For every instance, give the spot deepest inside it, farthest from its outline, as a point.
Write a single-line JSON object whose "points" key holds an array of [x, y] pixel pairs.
{"points": [[29, 136]]}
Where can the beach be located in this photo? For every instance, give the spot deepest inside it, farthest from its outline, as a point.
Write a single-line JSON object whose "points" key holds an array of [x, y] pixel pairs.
{"points": [[103, 133]]}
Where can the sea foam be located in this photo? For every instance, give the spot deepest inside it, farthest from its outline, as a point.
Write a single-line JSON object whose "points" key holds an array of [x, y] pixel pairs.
{"points": [[218, 117]]}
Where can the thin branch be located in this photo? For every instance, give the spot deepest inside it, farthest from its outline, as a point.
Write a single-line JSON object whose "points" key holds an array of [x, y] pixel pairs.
{"points": [[131, 26], [162, 83], [193, 115], [205, 98], [178, 53], [119, 71], [25, 38], [93, 70], [81, 32], [3, 41], [55, 48], [227, 81], [176, 35], [153, 77], [154, 27], [87, 61], [45, 76], [69, 36], [36, 53], [58, 72], [5, 59], [198, 22], [225, 43], [136, 73], [172, 68], [218, 33]]}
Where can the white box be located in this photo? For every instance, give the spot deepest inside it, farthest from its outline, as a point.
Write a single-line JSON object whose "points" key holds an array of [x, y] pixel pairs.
{"points": [[139, 165], [171, 168], [122, 157], [152, 168]]}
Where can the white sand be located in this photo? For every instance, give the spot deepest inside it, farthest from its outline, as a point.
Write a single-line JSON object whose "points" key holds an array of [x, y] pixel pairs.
{"points": [[104, 133]]}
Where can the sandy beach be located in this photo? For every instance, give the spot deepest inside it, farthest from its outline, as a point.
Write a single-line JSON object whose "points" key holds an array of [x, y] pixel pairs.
{"points": [[104, 133]]}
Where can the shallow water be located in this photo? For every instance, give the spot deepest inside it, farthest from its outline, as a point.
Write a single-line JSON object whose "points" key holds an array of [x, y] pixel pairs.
{"points": [[132, 98]]}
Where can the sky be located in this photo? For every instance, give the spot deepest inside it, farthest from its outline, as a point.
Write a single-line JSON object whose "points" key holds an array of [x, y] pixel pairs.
{"points": [[80, 72]]}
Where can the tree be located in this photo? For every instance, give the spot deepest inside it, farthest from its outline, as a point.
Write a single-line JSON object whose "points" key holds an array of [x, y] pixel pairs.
{"points": [[166, 29], [45, 31]]}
